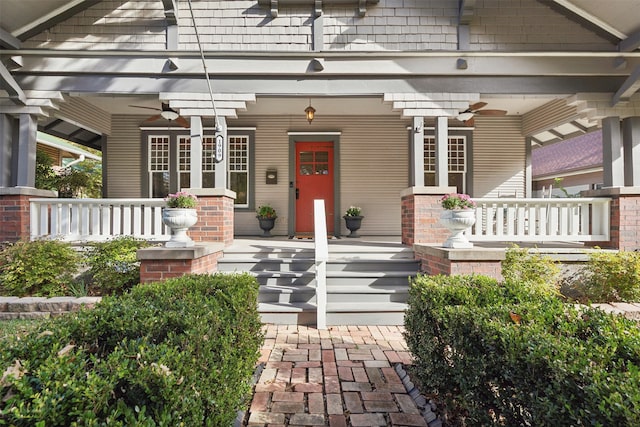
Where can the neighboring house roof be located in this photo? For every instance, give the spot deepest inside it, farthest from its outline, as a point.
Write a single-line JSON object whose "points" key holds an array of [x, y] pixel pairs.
{"points": [[582, 152], [64, 145]]}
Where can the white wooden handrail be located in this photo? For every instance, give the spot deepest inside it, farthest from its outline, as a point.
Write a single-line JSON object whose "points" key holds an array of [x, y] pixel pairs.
{"points": [[321, 256], [581, 219], [97, 219]]}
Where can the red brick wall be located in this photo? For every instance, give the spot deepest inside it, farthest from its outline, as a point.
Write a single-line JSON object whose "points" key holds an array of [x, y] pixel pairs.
{"points": [[432, 265], [625, 224], [215, 220], [162, 269], [420, 219], [14, 218]]}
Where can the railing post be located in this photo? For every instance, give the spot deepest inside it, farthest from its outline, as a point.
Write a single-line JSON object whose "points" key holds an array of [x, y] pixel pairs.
{"points": [[322, 256]]}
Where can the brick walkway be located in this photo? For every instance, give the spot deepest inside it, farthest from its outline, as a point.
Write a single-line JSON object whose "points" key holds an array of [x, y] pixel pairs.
{"points": [[343, 376]]}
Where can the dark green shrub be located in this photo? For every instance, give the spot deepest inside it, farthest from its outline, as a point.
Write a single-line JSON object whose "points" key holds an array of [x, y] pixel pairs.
{"points": [[37, 268], [612, 277], [503, 354], [113, 265], [176, 353]]}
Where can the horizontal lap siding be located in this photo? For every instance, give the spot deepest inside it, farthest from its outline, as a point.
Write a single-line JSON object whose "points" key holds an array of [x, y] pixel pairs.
{"points": [[498, 157], [373, 166], [123, 156]]}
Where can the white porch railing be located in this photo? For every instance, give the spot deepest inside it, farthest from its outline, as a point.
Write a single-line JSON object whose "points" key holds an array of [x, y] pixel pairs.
{"points": [[97, 219], [539, 220], [322, 256]]}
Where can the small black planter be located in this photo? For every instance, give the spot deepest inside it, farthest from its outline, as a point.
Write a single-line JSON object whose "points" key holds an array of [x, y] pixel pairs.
{"points": [[266, 224], [353, 224]]}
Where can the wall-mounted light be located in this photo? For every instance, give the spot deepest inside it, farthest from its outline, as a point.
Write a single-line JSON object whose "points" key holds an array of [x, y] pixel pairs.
{"points": [[310, 112]]}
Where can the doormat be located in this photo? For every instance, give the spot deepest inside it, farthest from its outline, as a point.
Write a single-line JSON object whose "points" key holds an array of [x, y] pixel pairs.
{"points": [[309, 237]]}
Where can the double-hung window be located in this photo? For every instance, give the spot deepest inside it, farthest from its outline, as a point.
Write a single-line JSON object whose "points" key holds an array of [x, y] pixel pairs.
{"points": [[456, 161]]}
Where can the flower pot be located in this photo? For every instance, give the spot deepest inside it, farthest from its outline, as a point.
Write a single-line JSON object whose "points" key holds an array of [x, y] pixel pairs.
{"points": [[457, 221], [353, 224], [179, 220], [266, 225]]}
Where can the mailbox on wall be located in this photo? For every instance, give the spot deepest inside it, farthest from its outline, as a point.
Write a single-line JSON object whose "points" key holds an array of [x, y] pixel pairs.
{"points": [[272, 176]]}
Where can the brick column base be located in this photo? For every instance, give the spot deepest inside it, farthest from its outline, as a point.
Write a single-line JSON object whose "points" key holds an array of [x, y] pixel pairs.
{"points": [[421, 210], [215, 216], [160, 263], [438, 260], [15, 220], [624, 216]]}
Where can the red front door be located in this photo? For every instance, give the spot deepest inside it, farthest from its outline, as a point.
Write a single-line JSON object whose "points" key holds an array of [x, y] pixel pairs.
{"points": [[314, 180]]}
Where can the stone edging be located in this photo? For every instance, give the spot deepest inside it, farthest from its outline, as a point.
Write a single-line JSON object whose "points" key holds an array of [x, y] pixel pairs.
{"points": [[42, 307]]}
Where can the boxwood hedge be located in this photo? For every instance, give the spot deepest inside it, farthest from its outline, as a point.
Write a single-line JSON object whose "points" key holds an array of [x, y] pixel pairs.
{"points": [[510, 354], [177, 353]]}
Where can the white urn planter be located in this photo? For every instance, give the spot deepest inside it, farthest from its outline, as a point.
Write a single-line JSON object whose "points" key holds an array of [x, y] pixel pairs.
{"points": [[457, 221], [179, 220]]}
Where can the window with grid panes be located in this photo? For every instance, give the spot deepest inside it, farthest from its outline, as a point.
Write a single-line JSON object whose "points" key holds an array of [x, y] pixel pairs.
{"points": [[184, 161], [456, 161], [158, 167], [238, 163]]}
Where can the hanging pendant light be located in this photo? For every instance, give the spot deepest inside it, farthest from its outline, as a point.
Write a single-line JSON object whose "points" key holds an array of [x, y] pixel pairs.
{"points": [[310, 112]]}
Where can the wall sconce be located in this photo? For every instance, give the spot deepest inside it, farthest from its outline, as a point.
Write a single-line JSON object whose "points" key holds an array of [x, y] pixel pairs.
{"points": [[310, 112]]}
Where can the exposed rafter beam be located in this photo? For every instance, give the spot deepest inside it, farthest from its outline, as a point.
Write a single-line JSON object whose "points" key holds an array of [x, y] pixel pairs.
{"points": [[275, 5], [466, 11], [8, 41], [586, 19], [630, 43], [60, 14], [584, 129], [628, 88], [8, 83], [170, 11]]}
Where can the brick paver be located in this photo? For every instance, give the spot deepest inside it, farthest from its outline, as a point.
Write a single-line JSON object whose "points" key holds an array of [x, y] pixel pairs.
{"points": [[343, 376]]}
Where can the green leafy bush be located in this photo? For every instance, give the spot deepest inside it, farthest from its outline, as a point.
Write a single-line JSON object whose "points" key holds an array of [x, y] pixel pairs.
{"points": [[113, 265], [506, 354], [37, 268], [612, 277], [176, 353], [535, 269]]}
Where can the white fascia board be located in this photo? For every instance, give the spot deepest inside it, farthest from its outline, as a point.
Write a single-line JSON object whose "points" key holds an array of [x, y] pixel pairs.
{"points": [[64, 145]]}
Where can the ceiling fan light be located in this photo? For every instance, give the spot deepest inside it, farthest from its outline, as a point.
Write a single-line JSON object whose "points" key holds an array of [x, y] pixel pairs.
{"points": [[464, 116], [169, 115]]}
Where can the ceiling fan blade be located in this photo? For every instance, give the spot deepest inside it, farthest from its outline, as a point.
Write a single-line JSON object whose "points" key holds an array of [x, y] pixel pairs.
{"points": [[183, 122], [477, 105], [145, 107], [469, 122], [154, 118], [491, 112]]}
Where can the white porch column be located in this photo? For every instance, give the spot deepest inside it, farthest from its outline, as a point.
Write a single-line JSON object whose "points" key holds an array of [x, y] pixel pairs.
{"points": [[631, 147], [417, 152], [223, 167], [6, 140], [196, 152], [24, 163], [612, 155], [442, 152]]}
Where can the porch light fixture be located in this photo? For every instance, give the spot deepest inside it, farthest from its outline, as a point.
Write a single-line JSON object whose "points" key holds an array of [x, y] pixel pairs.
{"points": [[464, 116], [310, 112], [168, 113]]}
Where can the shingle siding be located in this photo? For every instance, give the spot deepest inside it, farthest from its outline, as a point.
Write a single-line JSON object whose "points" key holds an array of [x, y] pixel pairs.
{"points": [[402, 25]]}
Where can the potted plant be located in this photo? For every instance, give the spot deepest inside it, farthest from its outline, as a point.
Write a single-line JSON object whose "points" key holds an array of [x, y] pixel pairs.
{"points": [[180, 214], [353, 220], [459, 215], [266, 219]]}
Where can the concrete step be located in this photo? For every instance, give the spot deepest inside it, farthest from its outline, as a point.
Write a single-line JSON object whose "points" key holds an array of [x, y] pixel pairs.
{"points": [[265, 264], [391, 313], [288, 314], [376, 265]]}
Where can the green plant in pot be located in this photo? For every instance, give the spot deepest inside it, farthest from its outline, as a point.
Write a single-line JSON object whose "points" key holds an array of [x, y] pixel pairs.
{"points": [[266, 219], [353, 220]]}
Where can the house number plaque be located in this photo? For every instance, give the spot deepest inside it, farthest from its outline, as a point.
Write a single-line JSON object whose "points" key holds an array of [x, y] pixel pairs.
{"points": [[219, 148]]}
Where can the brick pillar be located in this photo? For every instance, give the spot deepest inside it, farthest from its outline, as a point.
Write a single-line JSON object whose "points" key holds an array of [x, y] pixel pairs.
{"points": [[160, 263], [215, 215], [14, 211], [624, 216], [421, 210]]}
